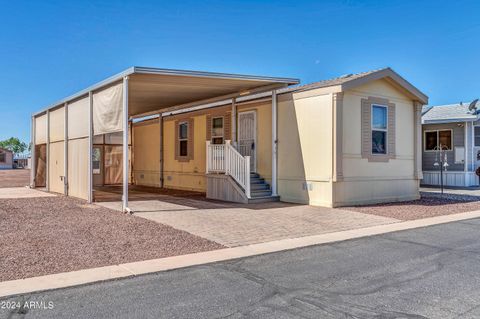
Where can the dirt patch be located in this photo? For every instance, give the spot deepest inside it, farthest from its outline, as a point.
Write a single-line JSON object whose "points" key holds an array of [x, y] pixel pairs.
{"points": [[41, 236], [14, 177], [429, 205]]}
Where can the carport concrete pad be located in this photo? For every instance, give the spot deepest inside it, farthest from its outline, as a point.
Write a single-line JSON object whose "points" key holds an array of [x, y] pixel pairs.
{"points": [[238, 225], [22, 192]]}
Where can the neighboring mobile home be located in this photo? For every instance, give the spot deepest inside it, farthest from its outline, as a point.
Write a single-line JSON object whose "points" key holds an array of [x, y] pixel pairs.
{"points": [[239, 138], [6, 159], [457, 129]]}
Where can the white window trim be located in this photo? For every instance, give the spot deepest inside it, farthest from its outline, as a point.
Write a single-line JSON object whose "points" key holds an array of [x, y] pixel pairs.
{"points": [[223, 129], [438, 139], [378, 129], [180, 139], [474, 126]]}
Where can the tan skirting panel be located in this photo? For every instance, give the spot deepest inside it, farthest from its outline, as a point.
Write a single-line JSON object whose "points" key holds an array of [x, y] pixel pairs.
{"points": [[78, 168], [41, 129], [56, 167], [57, 125]]}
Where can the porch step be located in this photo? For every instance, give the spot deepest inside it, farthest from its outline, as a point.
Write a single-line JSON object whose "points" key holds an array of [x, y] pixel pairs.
{"points": [[260, 190], [257, 180], [260, 193], [264, 199]]}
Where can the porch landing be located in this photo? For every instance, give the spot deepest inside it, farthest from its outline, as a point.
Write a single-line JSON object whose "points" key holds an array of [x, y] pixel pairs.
{"points": [[233, 224]]}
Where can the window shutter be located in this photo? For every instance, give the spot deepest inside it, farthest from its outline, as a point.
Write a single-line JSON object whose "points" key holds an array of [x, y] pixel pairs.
{"points": [[366, 129], [391, 130]]}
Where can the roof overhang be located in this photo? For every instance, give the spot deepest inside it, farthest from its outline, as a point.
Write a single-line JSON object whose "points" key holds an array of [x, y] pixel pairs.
{"points": [[154, 90], [445, 121], [393, 78]]}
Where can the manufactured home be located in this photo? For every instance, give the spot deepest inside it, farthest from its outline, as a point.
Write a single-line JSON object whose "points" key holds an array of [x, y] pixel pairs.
{"points": [[351, 140], [456, 129], [6, 159]]}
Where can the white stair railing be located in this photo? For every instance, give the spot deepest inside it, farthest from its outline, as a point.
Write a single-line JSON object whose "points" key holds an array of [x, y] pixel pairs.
{"points": [[224, 158]]}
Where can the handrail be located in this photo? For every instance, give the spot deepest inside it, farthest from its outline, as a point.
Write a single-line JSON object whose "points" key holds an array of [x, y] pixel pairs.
{"points": [[224, 158]]}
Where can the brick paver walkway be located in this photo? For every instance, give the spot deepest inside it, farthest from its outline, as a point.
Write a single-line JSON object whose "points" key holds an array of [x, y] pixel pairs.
{"points": [[237, 225]]}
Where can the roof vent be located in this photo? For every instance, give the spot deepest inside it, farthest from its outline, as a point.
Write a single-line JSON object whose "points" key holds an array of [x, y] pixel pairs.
{"points": [[345, 76]]}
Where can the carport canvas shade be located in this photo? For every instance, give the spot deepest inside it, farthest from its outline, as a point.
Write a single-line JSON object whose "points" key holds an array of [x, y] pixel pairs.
{"points": [[108, 110]]}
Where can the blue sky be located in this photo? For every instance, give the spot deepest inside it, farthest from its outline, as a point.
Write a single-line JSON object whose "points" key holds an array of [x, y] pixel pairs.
{"points": [[51, 49]]}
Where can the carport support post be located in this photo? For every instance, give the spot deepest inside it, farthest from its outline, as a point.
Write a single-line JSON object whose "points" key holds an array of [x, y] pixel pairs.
{"points": [[90, 147], [160, 124], [125, 146], [274, 143], [234, 122], [65, 152], [47, 173], [32, 152]]}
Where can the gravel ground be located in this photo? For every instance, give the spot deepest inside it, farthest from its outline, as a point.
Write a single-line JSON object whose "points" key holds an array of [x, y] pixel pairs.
{"points": [[430, 205], [47, 235], [14, 177]]}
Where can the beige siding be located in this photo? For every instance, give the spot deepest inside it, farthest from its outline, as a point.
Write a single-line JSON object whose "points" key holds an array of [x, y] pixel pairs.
{"points": [[41, 129], [56, 167], [78, 113], [305, 148], [365, 181], [57, 125], [78, 168], [146, 150]]}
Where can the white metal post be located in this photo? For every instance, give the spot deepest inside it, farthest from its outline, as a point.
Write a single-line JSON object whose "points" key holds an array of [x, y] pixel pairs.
{"points": [[226, 155], [465, 162], [33, 155], [234, 122], [274, 143], [47, 161], [90, 148], [125, 146], [247, 175], [209, 163], [160, 123], [65, 152]]}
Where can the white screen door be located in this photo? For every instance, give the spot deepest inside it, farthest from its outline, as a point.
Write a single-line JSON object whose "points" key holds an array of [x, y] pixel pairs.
{"points": [[247, 137]]}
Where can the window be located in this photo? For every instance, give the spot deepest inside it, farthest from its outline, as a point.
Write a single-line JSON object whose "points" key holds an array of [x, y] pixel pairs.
{"points": [[217, 130], [435, 139], [3, 157], [477, 135], [96, 159], [379, 129], [183, 138]]}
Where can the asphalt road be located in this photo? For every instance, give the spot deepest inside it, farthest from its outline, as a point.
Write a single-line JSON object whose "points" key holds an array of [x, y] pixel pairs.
{"points": [[430, 272]]}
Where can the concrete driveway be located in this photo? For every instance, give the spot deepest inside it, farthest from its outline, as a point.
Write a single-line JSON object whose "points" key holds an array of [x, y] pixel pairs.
{"points": [[233, 224]]}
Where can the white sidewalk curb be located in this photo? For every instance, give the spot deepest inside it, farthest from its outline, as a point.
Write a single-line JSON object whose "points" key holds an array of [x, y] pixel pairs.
{"points": [[80, 277]]}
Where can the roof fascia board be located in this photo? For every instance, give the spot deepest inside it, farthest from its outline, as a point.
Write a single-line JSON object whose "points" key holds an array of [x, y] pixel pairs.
{"points": [[215, 75]]}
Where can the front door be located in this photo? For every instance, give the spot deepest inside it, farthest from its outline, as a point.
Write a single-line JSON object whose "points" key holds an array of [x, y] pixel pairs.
{"points": [[247, 136]]}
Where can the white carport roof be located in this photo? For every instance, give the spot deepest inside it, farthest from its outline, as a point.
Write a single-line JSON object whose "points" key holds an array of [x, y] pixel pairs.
{"points": [[153, 89]]}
